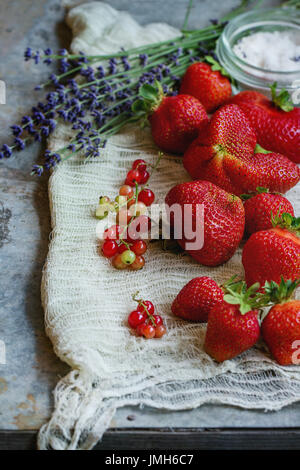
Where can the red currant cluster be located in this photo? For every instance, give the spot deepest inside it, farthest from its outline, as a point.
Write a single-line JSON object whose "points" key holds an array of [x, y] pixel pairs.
{"points": [[145, 321], [123, 241]]}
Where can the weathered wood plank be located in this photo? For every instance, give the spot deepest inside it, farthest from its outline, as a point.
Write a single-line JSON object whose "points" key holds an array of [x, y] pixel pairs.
{"points": [[183, 439]]}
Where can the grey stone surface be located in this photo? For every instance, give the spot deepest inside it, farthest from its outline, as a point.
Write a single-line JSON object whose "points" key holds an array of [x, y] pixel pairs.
{"points": [[32, 370]]}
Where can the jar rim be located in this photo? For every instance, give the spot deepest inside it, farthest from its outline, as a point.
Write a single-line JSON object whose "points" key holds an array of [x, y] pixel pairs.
{"points": [[238, 24]]}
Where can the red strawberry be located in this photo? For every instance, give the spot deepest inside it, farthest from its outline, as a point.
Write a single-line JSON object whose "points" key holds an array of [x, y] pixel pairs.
{"points": [[277, 129], [175, 120], [233, 325], [262, 207], [223, 220], [196, 299], [281, 327], [206, 83], [271, 254], [224, 153]]}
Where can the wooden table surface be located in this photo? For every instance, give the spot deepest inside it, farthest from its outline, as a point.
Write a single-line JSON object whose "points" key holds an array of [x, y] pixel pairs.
{"points": [[32, 370]]}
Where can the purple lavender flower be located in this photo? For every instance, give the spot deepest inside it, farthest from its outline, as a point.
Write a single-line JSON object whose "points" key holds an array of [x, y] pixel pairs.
{"points": [[16, 130], [72, 147], [112, 66], [7, 151], [48, 52], [126, 63], [28, 54], [45, 131], [37, 170], [26, 120], [62, 52], [83, 59], [37, 57], [100, 72], [143, 59], [64, 66]]}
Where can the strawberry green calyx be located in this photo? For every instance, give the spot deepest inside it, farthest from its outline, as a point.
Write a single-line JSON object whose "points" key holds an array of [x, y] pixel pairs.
{"points": [[280, 293], [283, 99], [149, 99], [247, 298], [288, 222], [259, 190], [215, 66], [260, 149]]}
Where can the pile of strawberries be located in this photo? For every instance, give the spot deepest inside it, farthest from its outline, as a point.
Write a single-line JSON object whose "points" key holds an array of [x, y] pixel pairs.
{"points": [[242, 158]]}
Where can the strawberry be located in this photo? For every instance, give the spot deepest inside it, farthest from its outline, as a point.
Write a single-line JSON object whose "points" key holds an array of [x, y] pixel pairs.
{"points": [[226, 153], [276, 122], [233, 325], [271, 254], [281, 327], [196, 299], [223, 220], [207, 83], [175, 120], [260, 209]]}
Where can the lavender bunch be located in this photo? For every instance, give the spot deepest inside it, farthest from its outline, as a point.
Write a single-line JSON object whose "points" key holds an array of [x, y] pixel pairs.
{"points": [[98, 100]]}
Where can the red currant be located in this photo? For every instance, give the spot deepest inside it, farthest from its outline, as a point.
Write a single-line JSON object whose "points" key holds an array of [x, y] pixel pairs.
{"points": [[109, 248], [157, 320], [139, 247], [128, 257], [118, 263], [138, 263], [123, 218], [104, 200], [112, 233], [132, 235], [122, 248], [131, 202], [146, 196], [144, 176], [139, 165], [139, 228], [149, 307], [160, 331], [126, 191], [149, 331], [138, 209], [136, 318], [140, 329], [133, 176]]}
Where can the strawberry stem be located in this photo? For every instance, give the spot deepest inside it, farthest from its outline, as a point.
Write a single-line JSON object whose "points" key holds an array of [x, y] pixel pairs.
{"points": [[281, 100], [280, 293], [288, 222], [247, 299]]}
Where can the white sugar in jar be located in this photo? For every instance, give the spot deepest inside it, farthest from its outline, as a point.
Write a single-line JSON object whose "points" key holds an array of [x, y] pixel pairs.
{"points": [[261, 47]]}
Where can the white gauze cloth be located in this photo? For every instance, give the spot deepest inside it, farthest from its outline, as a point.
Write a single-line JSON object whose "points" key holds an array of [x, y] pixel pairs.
{"points": [[87, 301]]}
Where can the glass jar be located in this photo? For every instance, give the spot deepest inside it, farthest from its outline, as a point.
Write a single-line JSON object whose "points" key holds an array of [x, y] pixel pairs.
{"points": [[249, 76]]}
